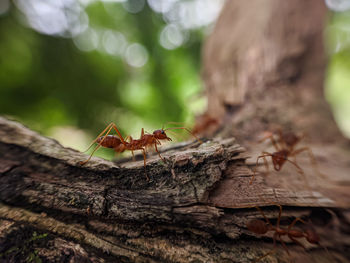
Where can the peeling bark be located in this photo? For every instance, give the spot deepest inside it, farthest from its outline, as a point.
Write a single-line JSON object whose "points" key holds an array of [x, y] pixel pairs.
{"points": [[196, 205], [103, 212]]}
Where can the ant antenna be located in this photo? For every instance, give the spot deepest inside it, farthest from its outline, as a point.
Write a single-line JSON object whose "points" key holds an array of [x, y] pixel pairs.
{"points": [[177, 135], [176, 123], [184, 128]]}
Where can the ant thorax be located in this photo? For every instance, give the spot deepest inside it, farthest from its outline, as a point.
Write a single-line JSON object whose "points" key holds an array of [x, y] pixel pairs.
{"points": [[148, 139], [281, 155], [290, 139]]}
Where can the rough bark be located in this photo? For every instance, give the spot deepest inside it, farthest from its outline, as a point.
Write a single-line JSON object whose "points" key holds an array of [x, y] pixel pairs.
{"points": [[264, 65], [264, 68], [53, 209], [196, 205]]}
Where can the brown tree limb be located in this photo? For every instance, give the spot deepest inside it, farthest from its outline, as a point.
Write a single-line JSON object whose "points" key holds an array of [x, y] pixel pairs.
{"points": [[196, 205], [264, 65], [113, 213]]}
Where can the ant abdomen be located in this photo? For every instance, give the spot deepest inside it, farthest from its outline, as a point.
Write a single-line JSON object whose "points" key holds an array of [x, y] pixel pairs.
{"points": [[109, 141], [257, 226]]}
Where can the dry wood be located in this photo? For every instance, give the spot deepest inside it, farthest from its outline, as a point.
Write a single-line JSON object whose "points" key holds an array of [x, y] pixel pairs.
{"points": [[105, 212], [263, 66]]}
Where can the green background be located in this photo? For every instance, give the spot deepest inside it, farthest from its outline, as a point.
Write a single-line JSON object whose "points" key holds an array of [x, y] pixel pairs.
{"points": [[69, 68]]}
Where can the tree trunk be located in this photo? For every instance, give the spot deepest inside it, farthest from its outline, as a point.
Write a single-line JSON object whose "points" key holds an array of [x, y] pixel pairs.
{"points": [[264, 64], [196, 205]]}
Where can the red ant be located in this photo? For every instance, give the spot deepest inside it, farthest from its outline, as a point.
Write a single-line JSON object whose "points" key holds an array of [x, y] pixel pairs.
{"points": [[285, 147], [261, 227], [205, 122], [119, 144], [109, 141]]}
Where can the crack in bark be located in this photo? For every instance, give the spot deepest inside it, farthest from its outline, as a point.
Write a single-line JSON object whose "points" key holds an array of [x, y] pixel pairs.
{"points": [[119, 206]]}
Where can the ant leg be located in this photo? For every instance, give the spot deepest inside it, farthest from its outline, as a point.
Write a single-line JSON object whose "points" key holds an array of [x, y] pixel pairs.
{"points": [[118, 132], [294, 222], [301, 172], [262, 213], [266, 154], [305, 235], [276, 235], [312, 158], [109, 128], [155, 145], [300, 235], [297, 166], [113, 126], [284, 245], [256, 165], [327, 251], [96, 148], [296, 242], [265, 255], [270, 252], [279, 216], [144, 162], [273, 141], [132, 151]]}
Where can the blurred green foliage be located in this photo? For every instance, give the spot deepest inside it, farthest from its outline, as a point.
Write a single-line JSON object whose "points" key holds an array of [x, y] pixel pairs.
{"points": [[50, 80], [338, 79], [132, 62]]}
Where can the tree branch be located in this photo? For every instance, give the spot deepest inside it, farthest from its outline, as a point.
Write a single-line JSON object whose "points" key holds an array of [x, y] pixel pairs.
{"points": [[195, 207]]}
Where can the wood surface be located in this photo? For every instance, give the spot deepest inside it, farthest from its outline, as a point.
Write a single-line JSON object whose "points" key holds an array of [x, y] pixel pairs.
{"points": [[194, 208], [263, 67]]}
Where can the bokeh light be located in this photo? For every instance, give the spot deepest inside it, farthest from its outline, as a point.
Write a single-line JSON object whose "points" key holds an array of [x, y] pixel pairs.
{"points": [[87, 63], [172, 36], [337, 88], [134, 6], [87, 41], [136, 55], [61, 17], [114, 43], [338, 5]]}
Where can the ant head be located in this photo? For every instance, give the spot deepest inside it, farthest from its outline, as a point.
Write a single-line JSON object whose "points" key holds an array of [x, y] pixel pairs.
{"points": [[312, 236], [279, 158], [161, 135]]}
